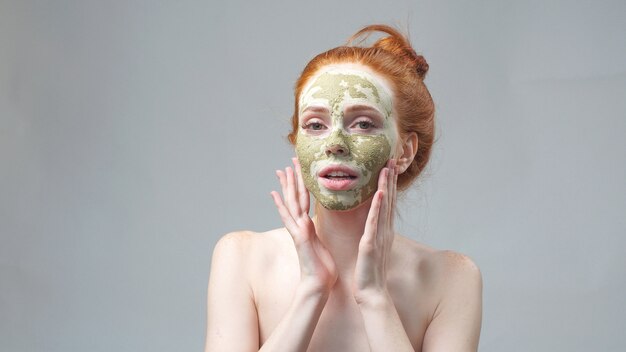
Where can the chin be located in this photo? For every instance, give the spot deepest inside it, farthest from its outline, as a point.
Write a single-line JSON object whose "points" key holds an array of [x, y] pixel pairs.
{"points": [[342, 208]]}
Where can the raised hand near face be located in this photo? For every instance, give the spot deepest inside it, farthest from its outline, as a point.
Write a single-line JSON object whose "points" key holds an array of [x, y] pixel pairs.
{"points": [[317, 267], [370, 274]]}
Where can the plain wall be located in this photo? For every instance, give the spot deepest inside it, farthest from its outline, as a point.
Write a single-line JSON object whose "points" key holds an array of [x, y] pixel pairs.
{"points": [[134, 134]]}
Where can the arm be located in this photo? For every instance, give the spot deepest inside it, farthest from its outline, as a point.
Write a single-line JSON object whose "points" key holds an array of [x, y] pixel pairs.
{"points": [[232, 315], [317, 269], [232, 323], [383, 326], [457, 319], [296, 328], [456, 322]]}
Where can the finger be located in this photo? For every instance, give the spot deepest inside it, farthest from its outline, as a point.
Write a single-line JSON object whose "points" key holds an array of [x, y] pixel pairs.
{"points": [[390, 174], [295, 179], [283, 181], [284, 214], [382, 185], [282, 177], [292, 198], [390, 190], [394, 199], [303, 193], [371, 223], [383, 214], [382, 180]]}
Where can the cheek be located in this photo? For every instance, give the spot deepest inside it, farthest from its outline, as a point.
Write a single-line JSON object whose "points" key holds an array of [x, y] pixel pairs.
{"points": [[391, 132], [307, 149], [372, 152]]}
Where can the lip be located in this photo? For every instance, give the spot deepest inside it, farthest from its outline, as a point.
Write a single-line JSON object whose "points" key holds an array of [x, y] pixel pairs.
{"points": [[338, 184], [337, 167]]}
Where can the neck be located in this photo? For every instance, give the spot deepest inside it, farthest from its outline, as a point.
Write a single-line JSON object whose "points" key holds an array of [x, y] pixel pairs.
{"points": [[340, 232]]}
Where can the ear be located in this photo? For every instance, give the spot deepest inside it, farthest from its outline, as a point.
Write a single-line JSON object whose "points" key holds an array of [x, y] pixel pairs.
{"points": [[406, 155]]}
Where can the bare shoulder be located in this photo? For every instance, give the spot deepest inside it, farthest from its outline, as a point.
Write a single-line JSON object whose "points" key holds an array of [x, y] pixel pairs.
{"points": [[456, 284], [249, 246], [441, 267], [234, 243], [232, 318], [234, 239], [453, 262], [246, 238], [452, 283], [459, 269]]}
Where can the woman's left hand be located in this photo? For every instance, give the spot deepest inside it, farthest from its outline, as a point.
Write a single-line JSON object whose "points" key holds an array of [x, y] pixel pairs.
{"points": [[370, 274]]}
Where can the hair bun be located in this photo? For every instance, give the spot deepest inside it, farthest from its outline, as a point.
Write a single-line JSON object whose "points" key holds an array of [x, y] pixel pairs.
{"points": [[397, 44], [421, 66]]}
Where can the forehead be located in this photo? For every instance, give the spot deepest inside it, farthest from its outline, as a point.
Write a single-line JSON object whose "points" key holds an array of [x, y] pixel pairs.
{"points": [[346, 80]]}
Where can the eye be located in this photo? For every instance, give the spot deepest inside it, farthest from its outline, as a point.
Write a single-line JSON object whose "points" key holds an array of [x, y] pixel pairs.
{"points": [[313, 126], [364, 125]]}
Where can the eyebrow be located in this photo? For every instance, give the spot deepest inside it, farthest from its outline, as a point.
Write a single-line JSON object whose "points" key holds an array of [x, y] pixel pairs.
{"points": [[318, 109], [362, 108]]}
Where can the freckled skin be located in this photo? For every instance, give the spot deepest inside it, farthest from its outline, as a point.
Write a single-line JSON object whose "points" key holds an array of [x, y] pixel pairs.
{"points": [[367, 153]]}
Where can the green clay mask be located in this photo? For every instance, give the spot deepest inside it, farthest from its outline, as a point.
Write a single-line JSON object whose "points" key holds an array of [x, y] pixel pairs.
{"points": [[346, 121]]}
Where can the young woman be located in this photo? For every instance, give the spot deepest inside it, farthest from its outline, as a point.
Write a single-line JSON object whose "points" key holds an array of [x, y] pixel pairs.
{"points": [[343, 280]]}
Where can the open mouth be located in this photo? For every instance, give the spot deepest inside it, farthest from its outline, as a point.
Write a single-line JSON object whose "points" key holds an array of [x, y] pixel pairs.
{"points": [[339, 175]]}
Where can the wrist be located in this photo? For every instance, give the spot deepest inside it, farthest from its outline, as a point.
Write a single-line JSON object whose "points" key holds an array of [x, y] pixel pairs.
{"points": [[373, 299], [310, 289]]}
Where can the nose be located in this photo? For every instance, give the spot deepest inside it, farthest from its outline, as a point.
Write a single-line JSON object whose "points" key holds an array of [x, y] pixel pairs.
{"points": [[336, 145], [337, 149]]}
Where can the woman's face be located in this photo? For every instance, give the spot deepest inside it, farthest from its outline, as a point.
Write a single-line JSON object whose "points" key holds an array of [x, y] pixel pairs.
{"points": [[347, 134]]}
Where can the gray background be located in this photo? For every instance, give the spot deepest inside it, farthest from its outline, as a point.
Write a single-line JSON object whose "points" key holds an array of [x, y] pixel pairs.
{"points": [[133, 134]]}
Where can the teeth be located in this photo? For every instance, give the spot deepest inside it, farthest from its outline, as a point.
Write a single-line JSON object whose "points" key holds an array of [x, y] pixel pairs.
{"points": [[338, 174]]}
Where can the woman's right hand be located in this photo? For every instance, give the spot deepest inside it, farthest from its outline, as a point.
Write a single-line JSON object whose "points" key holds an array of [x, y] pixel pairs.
{"points": [[317, 267]]}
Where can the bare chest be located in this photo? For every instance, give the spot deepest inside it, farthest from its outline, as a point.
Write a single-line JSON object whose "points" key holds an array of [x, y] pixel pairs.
{"points": [[340, 327]]}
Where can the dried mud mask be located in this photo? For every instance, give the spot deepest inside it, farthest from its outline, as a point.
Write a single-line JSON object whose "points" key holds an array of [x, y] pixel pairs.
{"points": [[364, 152]]}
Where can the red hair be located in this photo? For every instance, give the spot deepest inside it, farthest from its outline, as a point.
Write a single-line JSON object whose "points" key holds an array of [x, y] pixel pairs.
{"points": [[393, 58]]}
